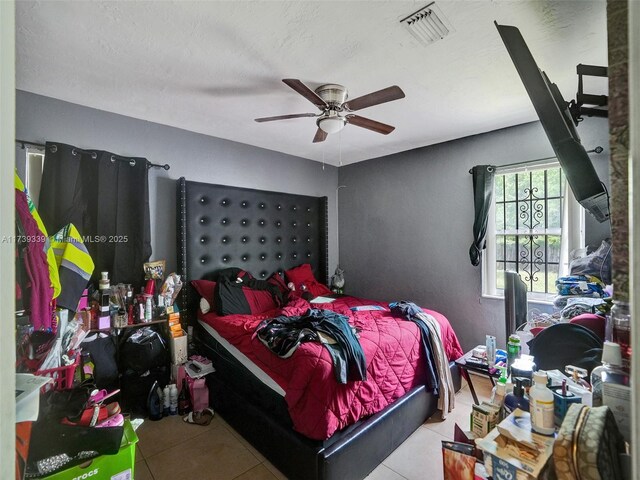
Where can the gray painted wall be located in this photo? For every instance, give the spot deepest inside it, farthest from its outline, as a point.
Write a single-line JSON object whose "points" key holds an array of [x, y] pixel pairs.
{"points": [[406, 223], [405, 220], [191, 155]]}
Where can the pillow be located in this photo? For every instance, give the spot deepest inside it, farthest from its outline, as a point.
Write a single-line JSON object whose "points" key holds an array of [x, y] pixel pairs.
{"points": [[205, 307], [303, 276], [204, 288], [260, 301], [231, 298]]}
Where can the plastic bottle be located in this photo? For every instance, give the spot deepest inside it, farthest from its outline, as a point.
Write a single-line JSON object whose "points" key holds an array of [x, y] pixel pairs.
{"points": [[513, 350], [166, 401], [621, 334], [184, 402], [491, 351], [541, 405], [517, 398], [500, 387], [610, 385], [173, 399], [148, 309]]}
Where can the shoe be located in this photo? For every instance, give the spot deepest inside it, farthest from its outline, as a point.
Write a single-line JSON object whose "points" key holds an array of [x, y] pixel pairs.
{"points": [[94, 415], [114, 421], [200, 418], [99, 396]]}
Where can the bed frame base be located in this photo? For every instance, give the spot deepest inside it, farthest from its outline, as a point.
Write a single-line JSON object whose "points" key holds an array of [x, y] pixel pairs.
{"points": [[353, 456]]}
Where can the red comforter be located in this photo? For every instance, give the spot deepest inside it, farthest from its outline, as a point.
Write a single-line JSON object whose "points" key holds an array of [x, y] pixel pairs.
{"points": [[318, 405]]}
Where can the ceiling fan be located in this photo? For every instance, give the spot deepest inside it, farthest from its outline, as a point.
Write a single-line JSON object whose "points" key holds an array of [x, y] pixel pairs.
{"points": [[331, 99]]}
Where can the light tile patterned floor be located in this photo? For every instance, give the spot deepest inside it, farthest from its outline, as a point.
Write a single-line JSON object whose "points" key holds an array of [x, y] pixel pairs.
{"points": [[173, 450]]}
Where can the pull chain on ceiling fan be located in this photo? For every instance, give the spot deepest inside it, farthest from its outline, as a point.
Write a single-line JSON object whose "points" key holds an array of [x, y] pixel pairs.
{"points": [[331, 99]]}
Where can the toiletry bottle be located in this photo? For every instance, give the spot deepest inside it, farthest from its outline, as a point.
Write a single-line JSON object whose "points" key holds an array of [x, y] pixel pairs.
{"points": [[513, 350], [173, 402], [621, 333], [148, 309], [166, 401], [502, 381], [541, 405], [491, 351], [104, 283], [610, 385], [517, 398], [184, 402]]}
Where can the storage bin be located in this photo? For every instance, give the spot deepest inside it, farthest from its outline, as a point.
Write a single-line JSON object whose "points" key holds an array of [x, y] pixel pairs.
{"points": [[62, 376], [106, 467]]}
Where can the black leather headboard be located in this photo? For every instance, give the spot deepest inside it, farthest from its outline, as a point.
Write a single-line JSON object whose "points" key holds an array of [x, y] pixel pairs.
{"points": [[259, 231]]}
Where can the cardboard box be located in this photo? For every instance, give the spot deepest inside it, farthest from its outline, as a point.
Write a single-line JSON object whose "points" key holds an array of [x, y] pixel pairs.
{"points": [[113, 467], [513, 451], [178, 347], [484, 418]]}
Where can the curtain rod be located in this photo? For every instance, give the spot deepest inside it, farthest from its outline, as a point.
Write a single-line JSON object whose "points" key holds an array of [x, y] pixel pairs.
{"points": [[114, 157], [598, 149]]}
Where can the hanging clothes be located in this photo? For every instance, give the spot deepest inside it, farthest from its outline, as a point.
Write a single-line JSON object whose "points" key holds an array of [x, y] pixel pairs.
{"points": [[75, 265], [51, 261], [36, 266], [432, 343]]}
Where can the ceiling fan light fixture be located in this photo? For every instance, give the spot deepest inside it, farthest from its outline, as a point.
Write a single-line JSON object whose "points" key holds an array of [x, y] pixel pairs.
{"points": [[332, 124]]}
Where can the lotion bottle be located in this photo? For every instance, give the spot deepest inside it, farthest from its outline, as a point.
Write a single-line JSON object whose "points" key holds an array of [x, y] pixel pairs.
{"points": [[541, 405], [611, 386]]}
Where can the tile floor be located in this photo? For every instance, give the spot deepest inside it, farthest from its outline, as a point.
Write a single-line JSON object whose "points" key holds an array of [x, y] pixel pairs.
{"points": [[173, 450]]}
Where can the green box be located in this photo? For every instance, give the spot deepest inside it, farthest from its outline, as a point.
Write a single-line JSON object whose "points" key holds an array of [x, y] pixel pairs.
{"points": [[106, 467]]}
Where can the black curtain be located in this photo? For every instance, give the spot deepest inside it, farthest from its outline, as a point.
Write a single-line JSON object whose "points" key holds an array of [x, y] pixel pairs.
{"points": [[107, 198], [482, 197]]}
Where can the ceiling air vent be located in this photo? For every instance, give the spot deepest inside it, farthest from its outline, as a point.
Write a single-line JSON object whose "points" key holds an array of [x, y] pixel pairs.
{"points": [[428, 24]]}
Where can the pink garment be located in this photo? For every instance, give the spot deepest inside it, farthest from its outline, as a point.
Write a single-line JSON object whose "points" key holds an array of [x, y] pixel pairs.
{"points": [[36, 266], [317, 404]]}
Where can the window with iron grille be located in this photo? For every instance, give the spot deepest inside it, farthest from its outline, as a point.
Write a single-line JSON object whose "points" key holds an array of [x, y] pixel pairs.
{"points": [[530, 231]]}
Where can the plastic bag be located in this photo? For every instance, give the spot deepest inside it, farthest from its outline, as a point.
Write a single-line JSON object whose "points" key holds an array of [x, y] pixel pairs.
{"points": [[597, 263]]}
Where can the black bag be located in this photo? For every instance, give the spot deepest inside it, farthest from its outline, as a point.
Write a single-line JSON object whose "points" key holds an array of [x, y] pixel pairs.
{"points": [[143, 350], [103, 355]]}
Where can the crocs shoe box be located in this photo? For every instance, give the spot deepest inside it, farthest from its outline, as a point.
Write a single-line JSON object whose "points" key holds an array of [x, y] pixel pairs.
{"points": [[178, 347], [108, 467]]}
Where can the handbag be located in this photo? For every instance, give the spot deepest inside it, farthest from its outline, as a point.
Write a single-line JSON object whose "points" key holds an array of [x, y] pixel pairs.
{"points": [[142, 351], [588, 445]]}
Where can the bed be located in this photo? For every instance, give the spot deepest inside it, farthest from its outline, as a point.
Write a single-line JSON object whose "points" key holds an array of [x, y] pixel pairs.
{"points": [[261, 395]]}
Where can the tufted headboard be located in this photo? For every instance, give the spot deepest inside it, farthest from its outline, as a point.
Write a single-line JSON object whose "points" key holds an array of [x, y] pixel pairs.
{"points": [[259, 231]]}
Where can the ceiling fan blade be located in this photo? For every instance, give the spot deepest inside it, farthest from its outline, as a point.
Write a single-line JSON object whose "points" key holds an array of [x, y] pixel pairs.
{"points": [[321, 136], [369, 124], [375, 98], [285, 117], [306, 92]]}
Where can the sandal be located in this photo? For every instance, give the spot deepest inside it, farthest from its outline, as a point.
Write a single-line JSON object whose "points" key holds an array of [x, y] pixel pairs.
{"points": [[200, 418], [99, 396]]}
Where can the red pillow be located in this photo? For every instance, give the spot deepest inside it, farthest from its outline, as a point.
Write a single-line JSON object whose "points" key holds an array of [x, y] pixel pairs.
{"points": [[205, 289], [260, 301], [303, 275]]}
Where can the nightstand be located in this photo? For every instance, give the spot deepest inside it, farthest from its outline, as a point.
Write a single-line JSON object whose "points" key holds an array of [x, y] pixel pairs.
{"points": [[468, 363]]}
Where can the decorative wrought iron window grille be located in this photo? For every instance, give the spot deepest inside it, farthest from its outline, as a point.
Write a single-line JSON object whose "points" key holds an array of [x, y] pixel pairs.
{"points": [[528, 226]]}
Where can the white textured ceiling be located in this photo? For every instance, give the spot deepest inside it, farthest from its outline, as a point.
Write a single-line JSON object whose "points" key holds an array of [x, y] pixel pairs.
{"points": [[212, 67]]}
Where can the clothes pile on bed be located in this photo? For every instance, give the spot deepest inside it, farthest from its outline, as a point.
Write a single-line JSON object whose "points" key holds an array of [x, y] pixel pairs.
{"points": [[337, 361]]}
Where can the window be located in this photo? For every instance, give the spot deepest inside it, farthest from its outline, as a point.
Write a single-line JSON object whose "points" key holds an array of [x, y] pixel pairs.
{"points": [[33, 172], [534, 223]]}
